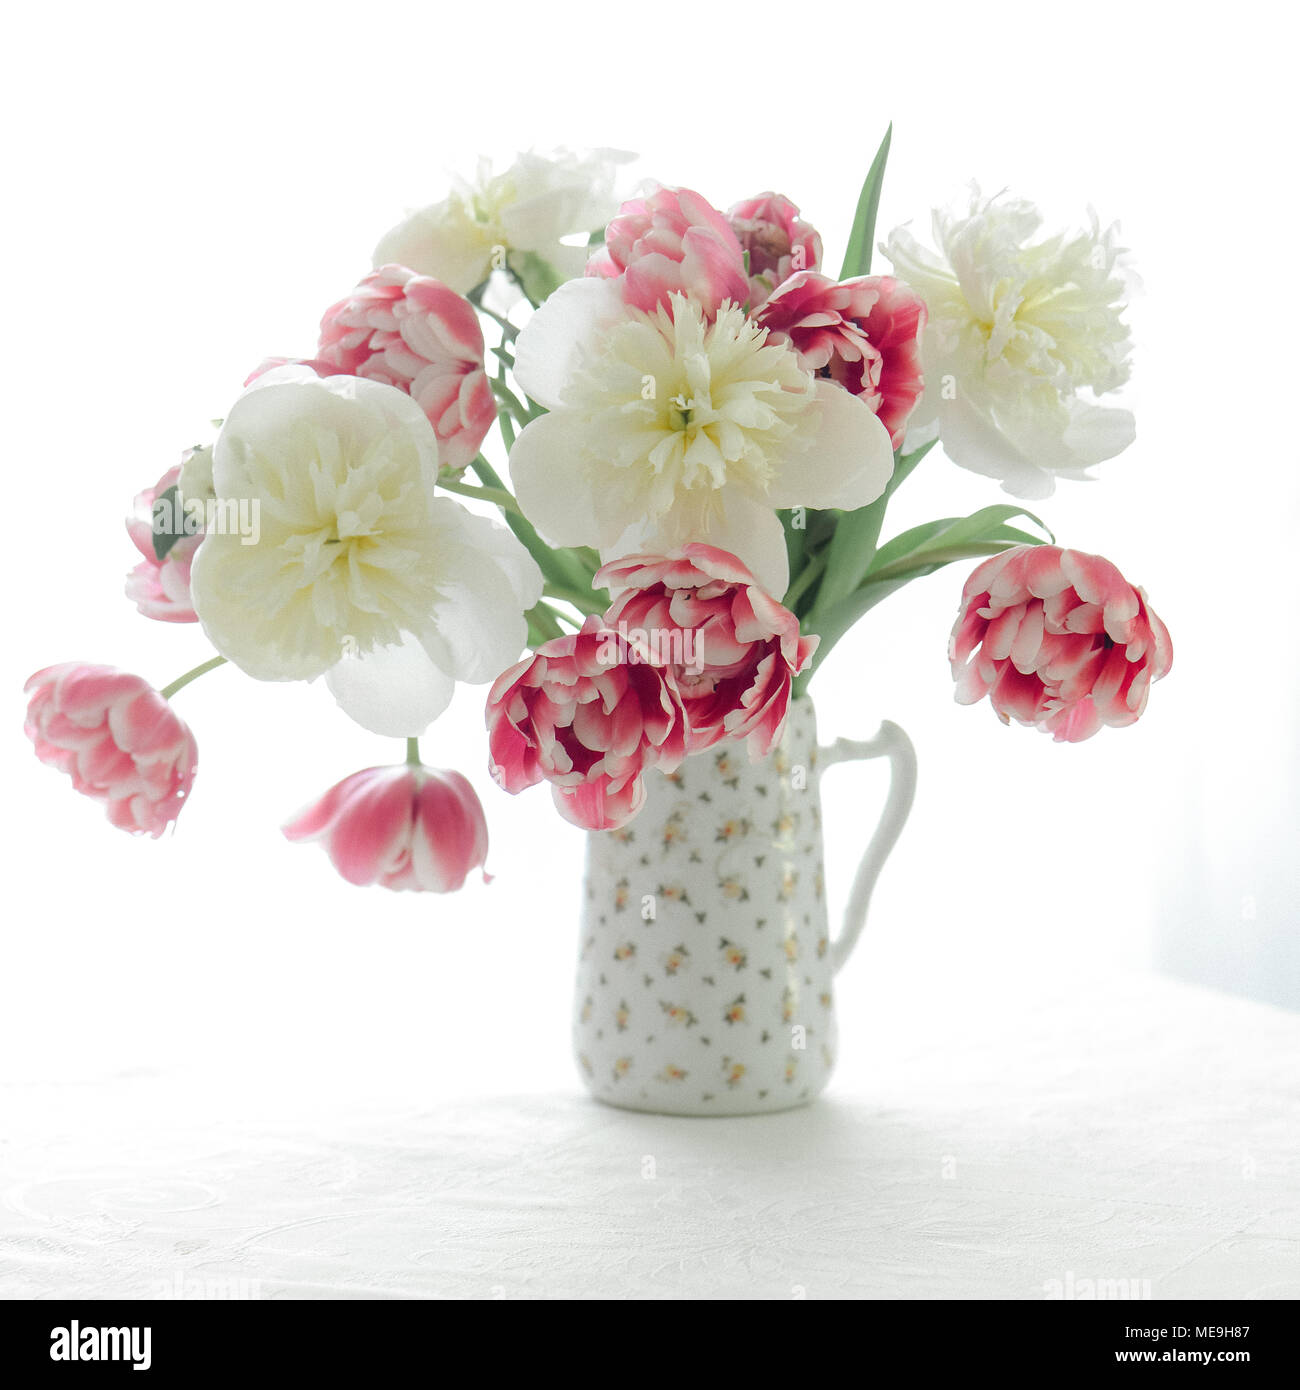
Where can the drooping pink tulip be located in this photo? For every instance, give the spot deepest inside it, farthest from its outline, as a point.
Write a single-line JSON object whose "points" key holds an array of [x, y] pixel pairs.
{"points": [[777, 241], [863, 333], [1058, 639], [673, 242], [408, 828], [117, 738], [730, 648], [412, 332], [160, 589], [589, 716]]}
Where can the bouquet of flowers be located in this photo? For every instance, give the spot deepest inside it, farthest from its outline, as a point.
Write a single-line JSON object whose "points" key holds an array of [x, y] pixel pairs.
{"points": [[702, 429]]}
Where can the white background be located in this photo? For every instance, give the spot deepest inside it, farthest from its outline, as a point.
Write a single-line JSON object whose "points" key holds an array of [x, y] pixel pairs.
{"points": [[188, 190]]}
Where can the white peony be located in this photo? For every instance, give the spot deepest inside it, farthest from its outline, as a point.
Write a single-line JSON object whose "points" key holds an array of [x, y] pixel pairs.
{"points": [[360, 572], [525, 211], [1023, 336], [668, 428]]}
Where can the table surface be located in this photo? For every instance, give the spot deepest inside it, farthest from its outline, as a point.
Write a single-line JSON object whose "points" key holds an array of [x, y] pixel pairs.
{"points": [[1135, 1138]]}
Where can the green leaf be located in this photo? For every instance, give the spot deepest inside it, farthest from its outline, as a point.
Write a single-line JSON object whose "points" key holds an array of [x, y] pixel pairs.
{"points": [[936, 543], [857, 259], [167, 527], [919, 551], [907, 541], [838, 619]]}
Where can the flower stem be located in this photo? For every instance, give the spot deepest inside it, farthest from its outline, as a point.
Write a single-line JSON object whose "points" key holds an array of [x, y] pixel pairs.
{"points": [[508, 329], [806, 576], [182, 681], [508, 398], [542, 624], [507, 427], [413, 752], [498, 496]]}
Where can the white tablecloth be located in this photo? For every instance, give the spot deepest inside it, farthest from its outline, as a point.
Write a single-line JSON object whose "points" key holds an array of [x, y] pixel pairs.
{"points": [[1140, 1131]]}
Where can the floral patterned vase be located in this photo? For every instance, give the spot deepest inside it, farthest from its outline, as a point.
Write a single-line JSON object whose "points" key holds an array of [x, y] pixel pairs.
{"points": [[706, 961]]}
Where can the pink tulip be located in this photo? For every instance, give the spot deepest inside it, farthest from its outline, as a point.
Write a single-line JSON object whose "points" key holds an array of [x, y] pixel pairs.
{"points": [[863, 333], [730, 648], [412, 332], [673, 241], [590, 717], [1058, 639], [117, 738], [776, 240], [407, 828], [160, 589]]}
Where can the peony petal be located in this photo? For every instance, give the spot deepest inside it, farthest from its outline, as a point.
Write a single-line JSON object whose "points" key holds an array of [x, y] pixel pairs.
{"points": [[748, 530], [553, 481], [396, 691], [848, 461], [567, 326]]}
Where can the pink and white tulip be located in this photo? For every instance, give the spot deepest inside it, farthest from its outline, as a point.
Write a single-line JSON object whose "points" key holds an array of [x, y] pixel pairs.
{"points": [[407, 828], [672, 242], [864, 334], [731, 649], [1057, 639], [590, 718], [160, 589], [117, 738], [778, 242], [413, 332]]}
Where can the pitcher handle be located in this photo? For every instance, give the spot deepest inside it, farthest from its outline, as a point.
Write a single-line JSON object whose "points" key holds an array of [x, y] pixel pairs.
{"points": [[890, 742]]}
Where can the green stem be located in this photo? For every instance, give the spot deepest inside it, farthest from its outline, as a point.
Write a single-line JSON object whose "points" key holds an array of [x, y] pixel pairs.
{"points": [[542, 625], [562, 616], [507, 427], [413, 752], [805, 578], [856, 537], [182, 681], [508, 398], [568, 568], [523, 289], [498, 496], [489, 476], [508, 329]]}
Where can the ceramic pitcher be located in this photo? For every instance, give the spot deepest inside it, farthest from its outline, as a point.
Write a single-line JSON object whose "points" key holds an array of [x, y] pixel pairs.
{"points": [[706, 963]]}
